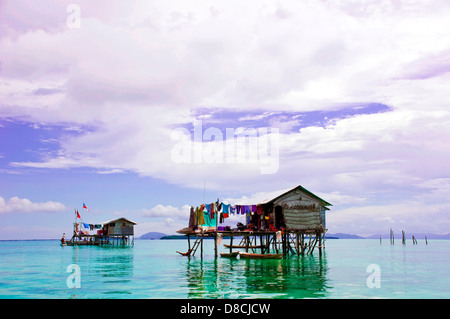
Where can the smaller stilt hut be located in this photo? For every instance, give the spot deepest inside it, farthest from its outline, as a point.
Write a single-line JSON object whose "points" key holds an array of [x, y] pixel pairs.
{"points": [[291, 220], [115, 232]]}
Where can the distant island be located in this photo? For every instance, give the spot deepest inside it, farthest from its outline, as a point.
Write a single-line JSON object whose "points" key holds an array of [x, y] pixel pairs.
{"points": [[153, 235], [162, 236]]}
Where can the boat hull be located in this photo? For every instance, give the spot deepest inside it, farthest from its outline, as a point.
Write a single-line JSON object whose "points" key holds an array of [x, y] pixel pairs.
{"points": [[229, 255], [260, 256]]}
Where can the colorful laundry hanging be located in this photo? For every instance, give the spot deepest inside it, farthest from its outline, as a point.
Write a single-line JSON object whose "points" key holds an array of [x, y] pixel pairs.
{"points": [[192, 218], [208, 220], [200, 216], [225, 210], [259, 210]]}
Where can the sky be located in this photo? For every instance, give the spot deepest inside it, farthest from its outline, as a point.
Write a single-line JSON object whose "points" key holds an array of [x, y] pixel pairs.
{"points": [[142, 109]]}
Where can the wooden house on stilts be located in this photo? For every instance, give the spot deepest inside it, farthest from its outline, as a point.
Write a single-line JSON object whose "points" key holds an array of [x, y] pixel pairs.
{"points": [[115, 232], [283, 222]]}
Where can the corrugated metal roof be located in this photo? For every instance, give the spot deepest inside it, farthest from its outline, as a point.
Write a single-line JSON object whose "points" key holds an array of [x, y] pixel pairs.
{"points": [[267, 197], [121, 218]]}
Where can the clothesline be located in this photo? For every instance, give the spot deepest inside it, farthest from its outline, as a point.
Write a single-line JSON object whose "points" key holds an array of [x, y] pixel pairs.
{"points": [[92, 226], [206, 214]]}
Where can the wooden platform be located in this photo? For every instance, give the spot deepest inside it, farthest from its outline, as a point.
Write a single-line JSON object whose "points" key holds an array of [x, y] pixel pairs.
{"points": [[261, 242]]}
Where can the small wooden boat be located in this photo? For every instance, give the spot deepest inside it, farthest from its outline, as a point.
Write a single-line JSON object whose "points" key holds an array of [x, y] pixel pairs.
{"points": [[229, 255], [260, 256], [242, 246]]}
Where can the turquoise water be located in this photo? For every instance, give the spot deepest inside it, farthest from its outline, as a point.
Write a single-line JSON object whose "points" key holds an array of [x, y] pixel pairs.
{"points": [[152, 269]]}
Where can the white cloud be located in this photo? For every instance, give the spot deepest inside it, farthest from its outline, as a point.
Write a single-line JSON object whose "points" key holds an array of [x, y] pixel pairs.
{"points": [[169, 212], [23, 205], [135, 73]]}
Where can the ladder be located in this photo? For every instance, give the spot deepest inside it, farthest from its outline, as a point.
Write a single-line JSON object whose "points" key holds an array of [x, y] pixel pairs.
{"points": [[193, 249]]}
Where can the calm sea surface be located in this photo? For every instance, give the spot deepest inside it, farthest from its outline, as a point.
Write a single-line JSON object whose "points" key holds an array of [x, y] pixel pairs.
{"points": [[153, 269]]}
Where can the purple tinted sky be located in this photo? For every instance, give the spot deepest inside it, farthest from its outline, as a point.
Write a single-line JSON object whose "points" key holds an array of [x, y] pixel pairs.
{"points": [[357, 90]]}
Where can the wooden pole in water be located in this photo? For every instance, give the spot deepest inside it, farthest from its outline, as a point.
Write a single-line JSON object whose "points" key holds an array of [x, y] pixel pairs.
{"points": [[403, 238], [392, 237], [231, 244], [302, 243], [320, 243], [217, 226], [261, 244], [426, 241], [201, 246], [275, 242]]}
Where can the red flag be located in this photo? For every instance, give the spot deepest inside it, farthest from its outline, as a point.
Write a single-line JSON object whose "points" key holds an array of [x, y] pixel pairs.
{"points": [[78, 214], [84, 206]]}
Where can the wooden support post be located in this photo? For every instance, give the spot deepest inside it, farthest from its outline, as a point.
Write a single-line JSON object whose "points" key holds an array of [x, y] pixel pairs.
{"points": [[231, 244], [215, 244], [302, 243], [426, 241], [275, 242], [189, 242], [201, 246], [320, 243], [290, 240], [261, 244], [215, 233]]}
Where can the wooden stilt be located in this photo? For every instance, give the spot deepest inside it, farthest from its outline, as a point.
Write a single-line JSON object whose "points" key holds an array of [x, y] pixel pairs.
{"points": [[320, 243], [215, 244], [275, 242], [302, 243], [231, 244], [261, 244], [201, 246]]}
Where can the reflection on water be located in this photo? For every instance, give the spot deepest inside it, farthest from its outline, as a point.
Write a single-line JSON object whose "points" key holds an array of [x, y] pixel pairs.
{"points": [[105, 270], [293, 277]]}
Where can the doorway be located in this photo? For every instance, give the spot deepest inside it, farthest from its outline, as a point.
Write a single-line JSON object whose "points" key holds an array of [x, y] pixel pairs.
{"points": [[279, 218]]}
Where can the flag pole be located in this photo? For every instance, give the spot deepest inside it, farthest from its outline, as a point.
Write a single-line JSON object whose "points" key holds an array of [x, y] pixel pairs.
{"points": [[75, 224]]}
